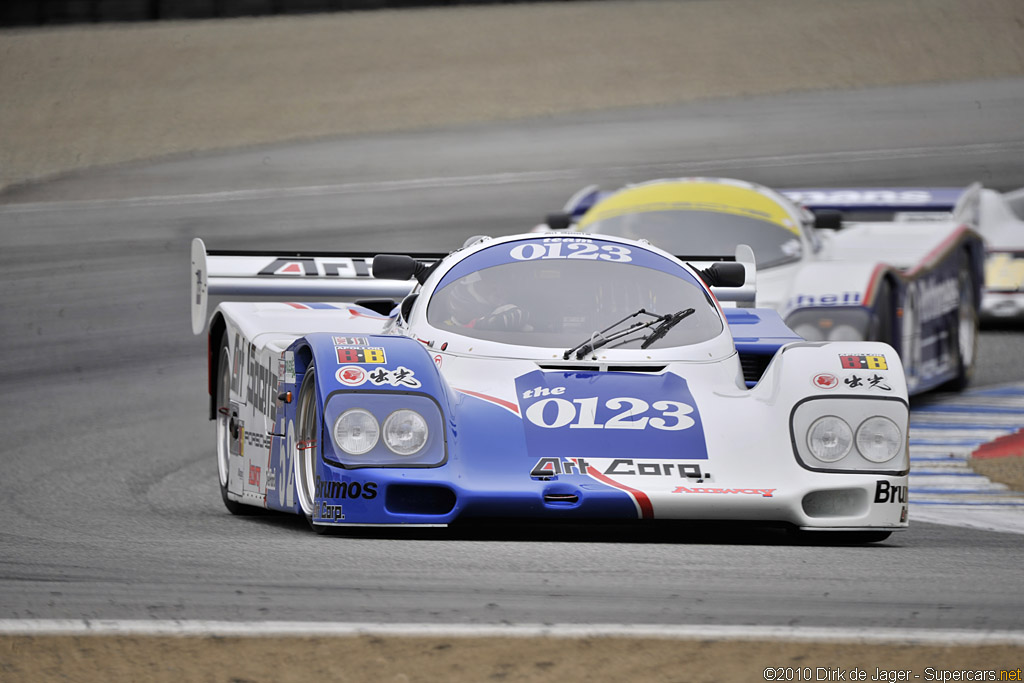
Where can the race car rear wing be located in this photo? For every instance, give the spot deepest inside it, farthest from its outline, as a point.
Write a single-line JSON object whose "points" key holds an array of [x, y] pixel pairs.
{"points": [[906, 203], [349, 275], [277, 276]]}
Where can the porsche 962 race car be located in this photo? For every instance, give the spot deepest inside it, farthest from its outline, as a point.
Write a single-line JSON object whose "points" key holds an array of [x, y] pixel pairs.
{"points": [[914, 286], [542, 377], [998, 217]]}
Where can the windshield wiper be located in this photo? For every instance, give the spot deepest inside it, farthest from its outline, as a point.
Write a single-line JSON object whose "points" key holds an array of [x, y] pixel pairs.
{"points": [[598, 339], [662, 329]]}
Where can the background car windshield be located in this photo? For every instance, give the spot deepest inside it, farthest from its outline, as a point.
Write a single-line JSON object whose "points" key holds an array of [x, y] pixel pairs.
{"points": [[560, 304], [706, 233]]}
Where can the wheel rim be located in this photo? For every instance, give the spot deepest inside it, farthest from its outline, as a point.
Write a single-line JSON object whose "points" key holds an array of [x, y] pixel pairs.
{"points": [[223, 418], [307, 445], [968, 326]]}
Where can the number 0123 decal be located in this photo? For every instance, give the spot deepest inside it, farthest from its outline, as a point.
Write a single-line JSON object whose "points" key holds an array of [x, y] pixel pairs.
{"points": [[599, 414], [624, 413]]}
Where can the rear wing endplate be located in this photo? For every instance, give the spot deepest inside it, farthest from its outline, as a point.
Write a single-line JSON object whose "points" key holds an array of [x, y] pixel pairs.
{"points": [[277, 276]]}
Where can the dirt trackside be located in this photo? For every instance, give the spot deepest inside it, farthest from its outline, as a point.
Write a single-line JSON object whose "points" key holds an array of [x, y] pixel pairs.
{"points": [[31, 659], [81, 96]]}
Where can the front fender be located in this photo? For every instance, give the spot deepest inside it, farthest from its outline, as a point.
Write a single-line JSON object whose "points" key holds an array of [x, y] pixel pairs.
{"points": [[372, 362]]}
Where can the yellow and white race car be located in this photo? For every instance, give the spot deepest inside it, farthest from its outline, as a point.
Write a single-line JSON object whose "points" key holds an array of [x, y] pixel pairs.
{"points": [[916, 285]]}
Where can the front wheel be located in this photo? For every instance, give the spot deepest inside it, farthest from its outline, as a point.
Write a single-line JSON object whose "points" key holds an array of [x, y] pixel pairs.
{"points": [[307, 445]]}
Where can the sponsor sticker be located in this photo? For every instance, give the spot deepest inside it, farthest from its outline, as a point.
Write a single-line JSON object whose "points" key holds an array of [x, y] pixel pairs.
{"points": [[353, 376], [402, 376], [620, 467], [351, 341], [254, 475], [862, 362], [890, 493], [360, 354], [873, 382], [825, 380], [764, 493]]}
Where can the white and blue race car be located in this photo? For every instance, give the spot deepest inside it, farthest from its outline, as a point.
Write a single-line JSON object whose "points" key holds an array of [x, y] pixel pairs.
{"points": [[998, 217], [914, 285], [541, 377]]}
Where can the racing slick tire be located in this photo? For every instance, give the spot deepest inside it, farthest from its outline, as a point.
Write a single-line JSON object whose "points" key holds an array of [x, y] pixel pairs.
{"points": [[227, 428], [967, 327], [884, 330], [307, 442]]}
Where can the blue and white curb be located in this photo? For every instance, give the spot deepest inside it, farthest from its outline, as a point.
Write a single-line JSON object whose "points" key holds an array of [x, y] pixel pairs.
{"points": [[944, 430]]}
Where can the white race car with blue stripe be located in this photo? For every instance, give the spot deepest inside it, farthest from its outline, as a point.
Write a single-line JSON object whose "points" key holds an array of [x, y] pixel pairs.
{"points": [[551, 377]]}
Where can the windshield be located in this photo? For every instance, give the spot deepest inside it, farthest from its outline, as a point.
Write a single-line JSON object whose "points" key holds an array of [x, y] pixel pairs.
{"points": [[706, 233], [537, 295]]}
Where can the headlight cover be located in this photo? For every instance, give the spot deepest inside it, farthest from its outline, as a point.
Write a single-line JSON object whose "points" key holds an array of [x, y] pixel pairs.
{"points": [[405, 432], [384, 429], [829, 438], [879, 439], [356, 431], [849, 434]]}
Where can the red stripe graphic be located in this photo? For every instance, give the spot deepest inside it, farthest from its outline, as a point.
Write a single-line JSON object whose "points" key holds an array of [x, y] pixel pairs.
{"points": [[491, 399], [639, 497]]}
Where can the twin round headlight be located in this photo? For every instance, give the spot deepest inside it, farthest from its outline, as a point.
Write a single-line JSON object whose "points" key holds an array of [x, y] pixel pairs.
{"points": [[878, 439], [356, 431]]}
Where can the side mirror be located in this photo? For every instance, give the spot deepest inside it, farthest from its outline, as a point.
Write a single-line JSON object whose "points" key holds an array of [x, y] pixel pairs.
{"points": [[828, 219], [558, 221], [398, 267], [725, 274]]}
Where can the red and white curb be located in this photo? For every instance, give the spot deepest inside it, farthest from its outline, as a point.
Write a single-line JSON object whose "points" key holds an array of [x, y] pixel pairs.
{"points": [[945, 430]]}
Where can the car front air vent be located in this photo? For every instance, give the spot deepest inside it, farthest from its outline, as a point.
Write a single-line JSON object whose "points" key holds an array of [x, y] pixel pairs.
{"points": [[593, 367]]}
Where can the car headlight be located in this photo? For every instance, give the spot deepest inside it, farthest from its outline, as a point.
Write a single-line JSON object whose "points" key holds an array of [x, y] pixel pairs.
{"points": [[405, 432], [356, 431], [829, 438], [831, 323], [879, 439], [845, 333], [809, 332]]}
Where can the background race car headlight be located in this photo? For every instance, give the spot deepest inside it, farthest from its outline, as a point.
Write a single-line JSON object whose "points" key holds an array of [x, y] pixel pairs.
{"points": [[879, 439], [830, 323], [405, 432], [356, 431], [809, 332], [829, 438], [845, 333]]}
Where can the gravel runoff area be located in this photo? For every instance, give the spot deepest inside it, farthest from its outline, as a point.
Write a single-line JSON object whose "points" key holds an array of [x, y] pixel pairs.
{"points": [[81, 96]]}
